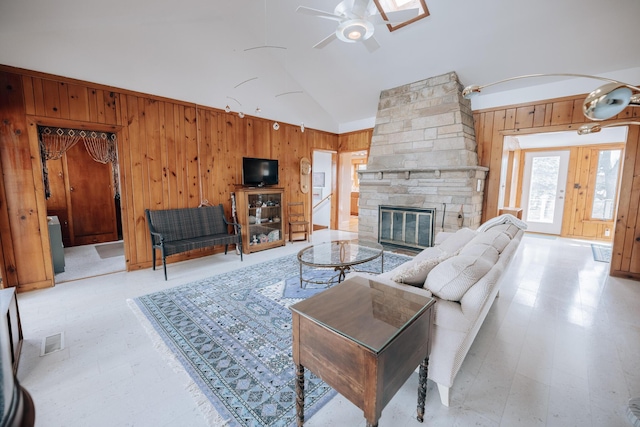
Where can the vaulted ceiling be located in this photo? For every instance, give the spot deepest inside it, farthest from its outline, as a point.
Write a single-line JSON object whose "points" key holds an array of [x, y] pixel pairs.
{"points": [[200, 51]]}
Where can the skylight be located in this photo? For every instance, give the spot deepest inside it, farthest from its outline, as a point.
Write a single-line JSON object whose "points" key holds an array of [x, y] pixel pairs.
{"points": [[388, 6]]}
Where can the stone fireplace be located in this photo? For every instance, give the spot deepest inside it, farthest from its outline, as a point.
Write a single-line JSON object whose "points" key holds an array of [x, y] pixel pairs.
{"points": [[423, 155]]}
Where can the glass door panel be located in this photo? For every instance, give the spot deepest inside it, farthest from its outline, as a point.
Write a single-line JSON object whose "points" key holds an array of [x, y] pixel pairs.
{"points": [[605, 190], [545, 180]]}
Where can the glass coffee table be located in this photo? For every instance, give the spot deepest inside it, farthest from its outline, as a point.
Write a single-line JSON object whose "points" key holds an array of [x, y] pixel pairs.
{"points": [[339, 255]]}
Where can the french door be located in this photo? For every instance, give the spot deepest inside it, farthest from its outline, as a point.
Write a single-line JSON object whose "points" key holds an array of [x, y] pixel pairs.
{"points": [[544, 188]]}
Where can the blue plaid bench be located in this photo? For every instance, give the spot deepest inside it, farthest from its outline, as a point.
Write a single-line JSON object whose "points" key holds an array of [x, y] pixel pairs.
{"points": [[180, 230]]}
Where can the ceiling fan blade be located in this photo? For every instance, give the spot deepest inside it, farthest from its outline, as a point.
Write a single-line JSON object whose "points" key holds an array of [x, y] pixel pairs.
{"points": [[322, 43], [396, 17], [318, 13], [371, 44]]}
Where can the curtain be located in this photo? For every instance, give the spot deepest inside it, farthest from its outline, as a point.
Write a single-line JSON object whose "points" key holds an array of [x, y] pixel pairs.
{"points": [[101, 146], [55, 145]]}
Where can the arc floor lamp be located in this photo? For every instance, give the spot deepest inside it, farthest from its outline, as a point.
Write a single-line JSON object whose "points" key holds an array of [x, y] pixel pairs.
{"points": [[603, 103]]}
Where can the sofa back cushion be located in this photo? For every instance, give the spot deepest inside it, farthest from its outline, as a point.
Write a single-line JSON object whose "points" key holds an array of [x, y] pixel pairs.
{"points": [[455, 242], [509, 229], [453, 277], [495, 238]]}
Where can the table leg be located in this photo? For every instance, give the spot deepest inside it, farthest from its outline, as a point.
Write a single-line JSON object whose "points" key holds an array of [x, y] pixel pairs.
{"points": [[422, 387], [301, 275], [300, 394]]}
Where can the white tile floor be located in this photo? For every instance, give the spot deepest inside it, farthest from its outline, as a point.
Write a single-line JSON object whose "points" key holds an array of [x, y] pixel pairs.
{"points": [[560, 347]]}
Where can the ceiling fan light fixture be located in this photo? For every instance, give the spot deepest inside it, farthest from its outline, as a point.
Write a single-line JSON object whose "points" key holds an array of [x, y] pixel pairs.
{"points": [[354, 30]]}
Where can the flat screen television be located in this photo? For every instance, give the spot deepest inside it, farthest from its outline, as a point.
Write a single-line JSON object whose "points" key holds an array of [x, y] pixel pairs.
{"points": [[259, 172]]}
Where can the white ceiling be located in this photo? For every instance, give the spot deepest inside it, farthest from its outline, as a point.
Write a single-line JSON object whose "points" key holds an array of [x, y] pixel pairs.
{"points": [[195, 50]]}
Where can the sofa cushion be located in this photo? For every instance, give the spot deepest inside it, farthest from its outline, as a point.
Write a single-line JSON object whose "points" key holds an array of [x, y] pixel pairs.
{"points": [[451, 278], [481, 250], [457, 240], [495, 238], [509, 229], [415, 271]]}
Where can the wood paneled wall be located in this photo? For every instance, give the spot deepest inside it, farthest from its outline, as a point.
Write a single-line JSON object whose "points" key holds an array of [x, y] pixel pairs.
{"points": [[355, 141], [562, 114], [171, 154]]}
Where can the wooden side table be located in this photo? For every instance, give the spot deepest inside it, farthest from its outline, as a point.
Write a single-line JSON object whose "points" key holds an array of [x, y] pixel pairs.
{"points": [[517, 212], [364, 339]]}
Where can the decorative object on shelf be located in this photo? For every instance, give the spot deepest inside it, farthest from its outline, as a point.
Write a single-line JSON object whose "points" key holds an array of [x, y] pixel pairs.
{"points": [[274, 235], [603, 103], [305, 175]]}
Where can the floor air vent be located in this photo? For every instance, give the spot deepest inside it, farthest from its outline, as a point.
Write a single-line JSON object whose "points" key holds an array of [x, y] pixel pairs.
{"points": [[52, 343]]}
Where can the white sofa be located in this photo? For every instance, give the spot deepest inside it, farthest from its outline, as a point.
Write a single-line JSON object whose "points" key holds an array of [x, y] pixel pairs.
{"points": [[462, 272]]}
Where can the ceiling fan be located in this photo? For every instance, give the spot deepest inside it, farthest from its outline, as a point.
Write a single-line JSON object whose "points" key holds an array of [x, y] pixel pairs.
{"points": [[356, 20]]}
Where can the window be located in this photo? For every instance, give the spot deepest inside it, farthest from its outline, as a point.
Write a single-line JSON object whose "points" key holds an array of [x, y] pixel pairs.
{"points": [[605, 188], [389, 6]]}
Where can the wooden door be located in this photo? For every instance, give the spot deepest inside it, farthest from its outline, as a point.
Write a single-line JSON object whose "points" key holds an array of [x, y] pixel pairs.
{"points": [[92, 198], [82, 198], [57, 203], [593, 191]]}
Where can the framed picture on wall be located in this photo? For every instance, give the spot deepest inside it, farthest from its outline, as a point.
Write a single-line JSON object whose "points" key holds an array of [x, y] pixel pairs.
{"points": [[318, 179]]}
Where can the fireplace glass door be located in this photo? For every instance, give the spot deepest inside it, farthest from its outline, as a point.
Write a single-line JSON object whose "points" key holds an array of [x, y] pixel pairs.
{"points": [[406, 227]]}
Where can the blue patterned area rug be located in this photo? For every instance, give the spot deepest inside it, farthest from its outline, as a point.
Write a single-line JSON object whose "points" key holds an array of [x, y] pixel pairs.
{"points": [[232, 335]]}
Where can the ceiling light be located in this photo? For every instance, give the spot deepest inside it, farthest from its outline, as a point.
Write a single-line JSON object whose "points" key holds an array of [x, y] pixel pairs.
{"points": [[354, 30], [241, 114], [258, 110], [302, 127], [227, 108], [276, 126]]}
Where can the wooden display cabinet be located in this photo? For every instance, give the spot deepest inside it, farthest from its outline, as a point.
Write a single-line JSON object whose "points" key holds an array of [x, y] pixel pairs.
{"points": [[261, 214]]}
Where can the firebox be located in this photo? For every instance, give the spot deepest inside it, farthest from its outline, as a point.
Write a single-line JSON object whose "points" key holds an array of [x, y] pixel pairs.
{"points": [[406, 227]]}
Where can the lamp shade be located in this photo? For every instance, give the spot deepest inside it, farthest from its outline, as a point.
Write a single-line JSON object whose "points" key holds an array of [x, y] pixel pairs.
{"points": [[607, 101]]}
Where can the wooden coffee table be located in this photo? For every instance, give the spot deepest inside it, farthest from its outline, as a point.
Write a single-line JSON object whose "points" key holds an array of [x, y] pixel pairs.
{"points": [[364, 339]]}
